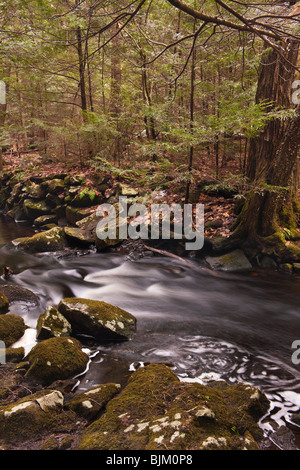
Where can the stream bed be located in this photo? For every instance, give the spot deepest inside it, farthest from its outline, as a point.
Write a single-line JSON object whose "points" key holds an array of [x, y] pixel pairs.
{"points": [[237, 327]]}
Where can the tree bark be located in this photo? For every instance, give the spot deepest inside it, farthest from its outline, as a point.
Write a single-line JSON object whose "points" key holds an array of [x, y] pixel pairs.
{"points": [[269, 206]]}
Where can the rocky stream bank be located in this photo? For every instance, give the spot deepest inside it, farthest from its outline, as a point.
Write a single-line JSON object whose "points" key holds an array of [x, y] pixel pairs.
{"points": [[40, 407]]}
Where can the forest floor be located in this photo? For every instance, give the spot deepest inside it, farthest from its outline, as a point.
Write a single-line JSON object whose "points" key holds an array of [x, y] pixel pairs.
{"points": [[219, 206]]}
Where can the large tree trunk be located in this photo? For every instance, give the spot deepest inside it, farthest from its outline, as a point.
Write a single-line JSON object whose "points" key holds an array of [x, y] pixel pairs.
{"points": [[274, 89], [271, 205]]}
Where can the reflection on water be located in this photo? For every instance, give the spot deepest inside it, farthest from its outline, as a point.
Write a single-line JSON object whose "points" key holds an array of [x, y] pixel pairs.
{"points": [[236, 328]]}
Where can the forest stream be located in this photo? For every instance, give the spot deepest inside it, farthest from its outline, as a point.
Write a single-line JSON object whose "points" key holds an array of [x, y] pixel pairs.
{"points": [[234, 327]]}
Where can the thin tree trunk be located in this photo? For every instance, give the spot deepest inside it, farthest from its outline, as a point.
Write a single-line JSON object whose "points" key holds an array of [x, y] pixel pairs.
{"points": [[115, 93], [192, 117]]}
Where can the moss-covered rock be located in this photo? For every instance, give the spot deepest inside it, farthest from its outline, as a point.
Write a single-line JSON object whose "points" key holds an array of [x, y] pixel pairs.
{"points": [[52, 323], [4, 303], [35, 209], [56, 186], [235, 261], [76, 214], [99, 319], [90, 403], [14, 355], [55, 359], [48, 241], [78, 236], [156, 411], [86, 198], [34, 416], [12, 328]]}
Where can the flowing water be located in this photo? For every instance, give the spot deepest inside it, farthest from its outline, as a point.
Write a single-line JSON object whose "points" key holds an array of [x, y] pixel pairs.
{"points": [[235, 327]]}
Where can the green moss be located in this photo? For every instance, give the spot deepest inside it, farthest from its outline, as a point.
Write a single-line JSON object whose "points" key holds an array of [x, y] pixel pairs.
{"points": [[56, 359], [52, 323], [90, 403], [14, 354], [12, 328], [49, 240], [101, 320], [4, 303], [27, 420], [156, 411]]}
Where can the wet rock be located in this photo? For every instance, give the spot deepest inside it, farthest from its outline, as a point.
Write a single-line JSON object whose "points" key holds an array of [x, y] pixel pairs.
{"points": [[12, 328], [89, 222], [14, 355], [56, 186], [283, 438], [47, 241], [90, 403], [286, 268], [235, 261], [79, 236], [52, 323], [268, 263], [45, 219], [102, 321], [34, 416], [296, 268], [4, 303], [55, 359], [75, 214], [156, 411], [34, 209], [16, 293]]}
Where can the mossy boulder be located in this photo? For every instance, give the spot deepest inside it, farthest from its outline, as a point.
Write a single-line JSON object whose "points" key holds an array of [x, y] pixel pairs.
{"points": [[14, 355], [47, 241], [235, 261], [102, 321], [35, 209], [86, 198], [91, 403], [55, 359], [78, 236], [56, 186], [35, 416], [52, 323], [12, 328], [4, 303], [156, 411]]}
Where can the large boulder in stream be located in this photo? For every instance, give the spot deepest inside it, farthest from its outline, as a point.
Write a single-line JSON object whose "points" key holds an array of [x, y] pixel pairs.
{"points": [[102, 321], [48, 241], [55, 359], [155, 411]]}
